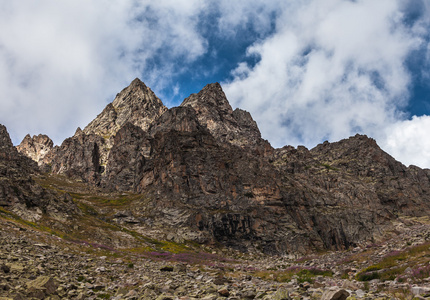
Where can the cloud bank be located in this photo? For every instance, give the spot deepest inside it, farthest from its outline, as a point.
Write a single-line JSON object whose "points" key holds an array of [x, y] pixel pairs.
{"points": [[332, 69], [61, 62], [308, 71]]}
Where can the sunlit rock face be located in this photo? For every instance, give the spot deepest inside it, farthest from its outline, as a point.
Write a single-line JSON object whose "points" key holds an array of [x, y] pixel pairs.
{"points": [[136, 104], [36, 147]]}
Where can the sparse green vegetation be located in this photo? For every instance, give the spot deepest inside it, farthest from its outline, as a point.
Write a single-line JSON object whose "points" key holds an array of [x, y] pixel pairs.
{"points": [[393, 264], [329, 167], [302, 274], [104, 296]]}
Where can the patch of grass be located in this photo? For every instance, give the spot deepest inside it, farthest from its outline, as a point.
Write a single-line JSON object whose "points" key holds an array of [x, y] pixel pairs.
{"points": [[402, 294], [173, 247], [329, 167], [358, 257], [87, 209], [139, 250], [5, 214], [303, 274], [394, 264], [367, 276]]}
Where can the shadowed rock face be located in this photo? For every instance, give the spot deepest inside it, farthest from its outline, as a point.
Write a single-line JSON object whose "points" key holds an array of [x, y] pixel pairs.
{"points": [[126, 160], [19, 193], [208, 176], [78, 157], [350, 190]]}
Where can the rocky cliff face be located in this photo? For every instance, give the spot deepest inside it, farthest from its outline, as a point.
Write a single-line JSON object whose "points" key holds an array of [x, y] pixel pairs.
{"points": [[205, 174], [20, 193], [79, 157]]}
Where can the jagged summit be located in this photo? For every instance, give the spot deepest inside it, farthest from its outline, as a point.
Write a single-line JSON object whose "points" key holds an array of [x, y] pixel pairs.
{"points": [[211, 97], [136, 104], [5, 141], [234, 127], [36, 147]]}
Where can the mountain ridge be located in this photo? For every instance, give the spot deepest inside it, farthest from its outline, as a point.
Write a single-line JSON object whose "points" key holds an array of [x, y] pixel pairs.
{"points": [[210, 177]]}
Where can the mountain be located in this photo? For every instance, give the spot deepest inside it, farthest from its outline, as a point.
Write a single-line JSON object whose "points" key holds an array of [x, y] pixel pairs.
{"points": [[20, 193], [201, 172]]}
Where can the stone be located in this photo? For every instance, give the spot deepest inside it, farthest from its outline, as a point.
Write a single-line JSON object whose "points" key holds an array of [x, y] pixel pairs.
{"points": [[335, 294], [281, 294], [224, 292], [5, 268], [360, 293], [419, 290], [41, 287]]}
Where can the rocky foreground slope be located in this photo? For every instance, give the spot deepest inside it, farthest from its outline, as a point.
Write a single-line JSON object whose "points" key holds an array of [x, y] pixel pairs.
{"points": [[205, 175], [35, 264]]}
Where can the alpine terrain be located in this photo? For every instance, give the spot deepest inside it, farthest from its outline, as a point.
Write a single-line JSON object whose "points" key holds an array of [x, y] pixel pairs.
{"points": [[191, 202]]}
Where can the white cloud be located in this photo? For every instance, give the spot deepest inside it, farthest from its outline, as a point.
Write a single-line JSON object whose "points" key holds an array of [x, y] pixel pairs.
{"points": [[332, 68], [61, 62], [408, 141]]}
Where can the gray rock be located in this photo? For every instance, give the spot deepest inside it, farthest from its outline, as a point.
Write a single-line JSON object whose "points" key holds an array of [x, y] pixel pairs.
{"points": [[335, 294]]}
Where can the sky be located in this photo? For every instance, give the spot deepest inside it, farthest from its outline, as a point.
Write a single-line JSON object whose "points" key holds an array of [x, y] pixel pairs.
{"points": [[307, 70]]}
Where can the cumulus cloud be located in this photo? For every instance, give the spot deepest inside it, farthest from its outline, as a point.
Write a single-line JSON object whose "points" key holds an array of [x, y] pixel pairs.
{"points": [[408, 141], [332, 68], [61, 62]]}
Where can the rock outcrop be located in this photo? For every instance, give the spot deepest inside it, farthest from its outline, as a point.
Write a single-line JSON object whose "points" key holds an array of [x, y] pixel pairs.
{"points": [[127, 158], [36, 147]]}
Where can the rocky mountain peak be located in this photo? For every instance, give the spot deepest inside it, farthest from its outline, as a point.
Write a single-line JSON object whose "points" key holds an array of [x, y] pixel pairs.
{"points": [[359, 154], [78, 131], [210, 100], [136, 104], [5, 141], [36, 147], [227, 126]]}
